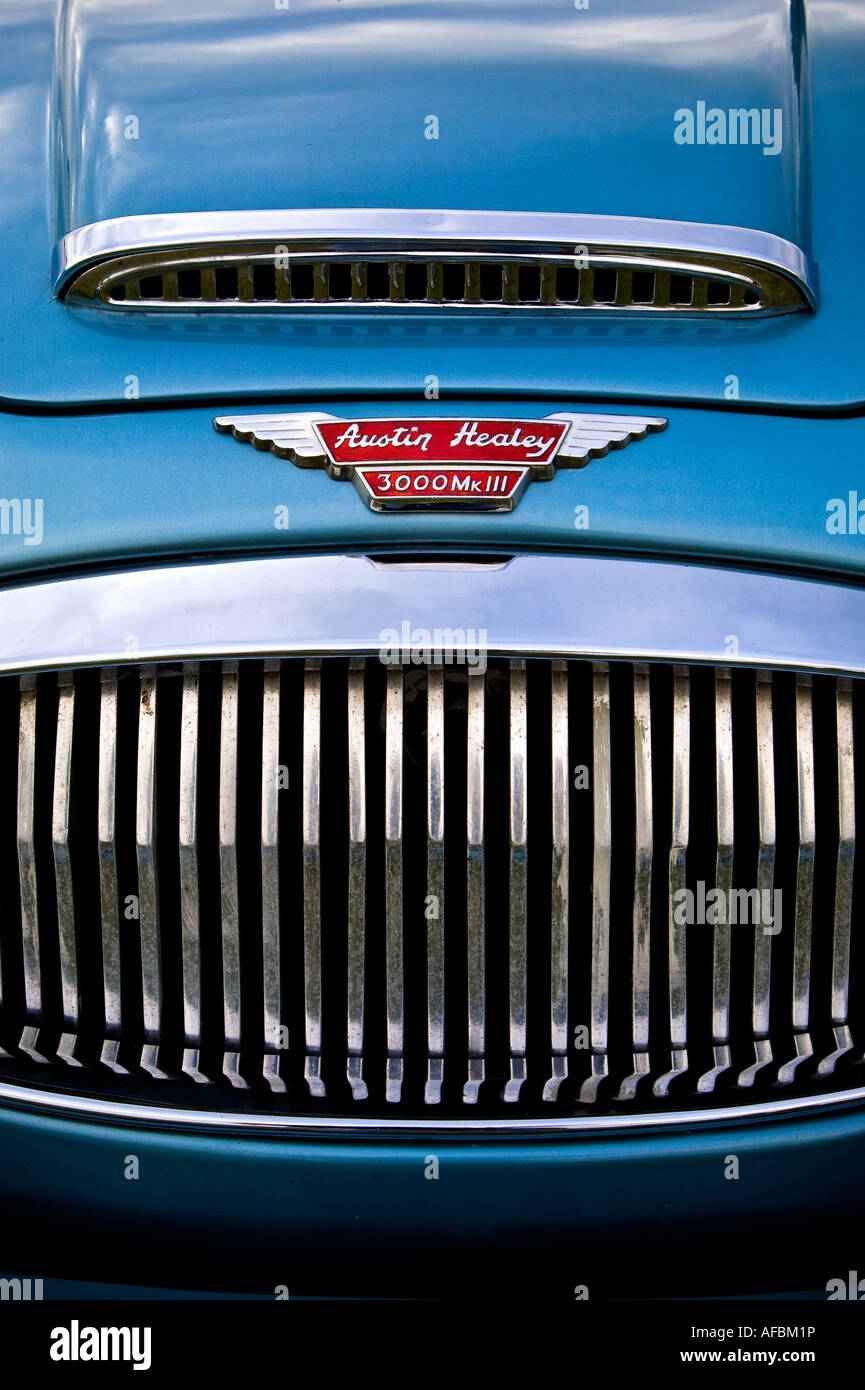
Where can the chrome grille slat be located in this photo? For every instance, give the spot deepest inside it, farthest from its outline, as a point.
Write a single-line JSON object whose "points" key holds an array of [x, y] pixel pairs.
{"points": [[475, 896], [63, 868], [397, 281], [109, 901], [208, 282], [624, 291], [270, 915], [393, 869], [434, 282], [677, 965], [228, 879], [843, 917], [29, 1041], [724, 830], [358, 280], [190, 911], [559, 881], [340, 859], [804, 881], [356, 876], [601, 869], [762, 978], [311, 850], [644, 848], [148, 889], [586, 296], [518, 882]]}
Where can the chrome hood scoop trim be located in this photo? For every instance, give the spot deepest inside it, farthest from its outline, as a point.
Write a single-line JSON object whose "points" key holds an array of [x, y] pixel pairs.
{"points": [[398, 259]]}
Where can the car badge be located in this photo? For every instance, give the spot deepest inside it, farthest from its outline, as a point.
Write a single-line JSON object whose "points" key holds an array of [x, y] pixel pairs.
{"points": [[451, 463]]}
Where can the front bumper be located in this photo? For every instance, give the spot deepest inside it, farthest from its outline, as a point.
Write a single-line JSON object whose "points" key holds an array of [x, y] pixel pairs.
{"points": [[651, 1216]]}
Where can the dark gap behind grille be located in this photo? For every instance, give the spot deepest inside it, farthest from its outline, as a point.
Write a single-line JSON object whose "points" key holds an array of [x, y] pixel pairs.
{"points": [[264, 281], [415, 280], [377, 280], [150, 287], [661, 697], [340, 280], [189, 283], [581, 823], [701, 865]]}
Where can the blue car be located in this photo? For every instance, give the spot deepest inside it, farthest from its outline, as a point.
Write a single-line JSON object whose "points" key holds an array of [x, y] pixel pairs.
{"points": [[432, 649]]}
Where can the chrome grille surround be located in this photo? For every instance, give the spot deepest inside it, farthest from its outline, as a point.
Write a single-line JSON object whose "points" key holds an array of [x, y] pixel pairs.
{"points": [[404, 260], [661, 725]]}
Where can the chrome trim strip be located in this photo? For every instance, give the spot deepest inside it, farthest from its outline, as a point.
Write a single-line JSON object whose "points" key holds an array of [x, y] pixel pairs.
{"points": [[475, 898], [312, 877], [121, 1112], [63, 867], [677, 958], [602, 801], [644, 847], [532, 605], [723, 878], [356, 877], [148, 897], [518, 882], [765, 877], [188, 862], [351, 229], [435, 904], [109, 900], [230, 907], [843, 877], [393, 875], [559, 876], [270, 943]]}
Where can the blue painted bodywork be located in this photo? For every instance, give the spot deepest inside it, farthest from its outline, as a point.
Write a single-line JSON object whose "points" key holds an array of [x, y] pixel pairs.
{"points": [[540, 106], [650, 1216], [746, 489]]}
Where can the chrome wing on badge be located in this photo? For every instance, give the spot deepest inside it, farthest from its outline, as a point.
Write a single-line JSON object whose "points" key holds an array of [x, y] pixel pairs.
{"points": [[448, 463]]}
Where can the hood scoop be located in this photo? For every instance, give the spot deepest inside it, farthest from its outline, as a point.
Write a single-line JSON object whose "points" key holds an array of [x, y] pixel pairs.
{"points": [[398, 259]]}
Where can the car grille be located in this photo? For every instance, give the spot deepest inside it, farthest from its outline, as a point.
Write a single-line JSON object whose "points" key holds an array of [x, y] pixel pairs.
{"points": [[258, 279], [338, 886]]}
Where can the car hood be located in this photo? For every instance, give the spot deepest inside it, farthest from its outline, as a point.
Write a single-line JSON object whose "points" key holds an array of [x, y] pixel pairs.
{"points": [[538, 107], [119, 109]]}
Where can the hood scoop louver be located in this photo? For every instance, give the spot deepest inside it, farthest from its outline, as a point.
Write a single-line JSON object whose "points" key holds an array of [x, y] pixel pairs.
{"points": [[412, 260]]}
